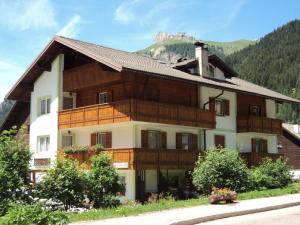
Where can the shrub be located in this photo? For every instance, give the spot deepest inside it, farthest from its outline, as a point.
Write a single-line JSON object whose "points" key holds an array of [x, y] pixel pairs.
{"points": [[26, 214], [221, 168], [64, 183], [14, 167], [271, 174], [103, 182]]}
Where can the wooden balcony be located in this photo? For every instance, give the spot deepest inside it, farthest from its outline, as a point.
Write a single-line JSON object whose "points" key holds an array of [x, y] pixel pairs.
{"points": [[142, 159], [258, 124], [254, 159], [136, 110]]}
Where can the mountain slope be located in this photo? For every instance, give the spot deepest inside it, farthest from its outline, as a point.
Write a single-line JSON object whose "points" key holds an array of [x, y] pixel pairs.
{"points": [[168, 47], [274, 62]]}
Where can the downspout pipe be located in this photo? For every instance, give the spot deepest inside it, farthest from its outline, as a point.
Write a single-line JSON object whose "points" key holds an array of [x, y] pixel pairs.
{"points": [[209, 101]]}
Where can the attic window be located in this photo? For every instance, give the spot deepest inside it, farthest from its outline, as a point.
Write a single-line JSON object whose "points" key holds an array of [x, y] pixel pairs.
{"points": [[211, 71]]}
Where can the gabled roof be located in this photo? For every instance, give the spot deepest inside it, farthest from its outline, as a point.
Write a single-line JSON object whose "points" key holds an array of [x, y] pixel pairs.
{"points": [[121, 60], [290, 129]]}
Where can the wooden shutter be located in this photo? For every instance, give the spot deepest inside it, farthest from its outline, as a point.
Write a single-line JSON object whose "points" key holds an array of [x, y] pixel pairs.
{"points": [[163, 139], [194, 141], [220, 141], [144, 135], [178, 141], [226, 107], [212, 104], [253, 144], [264, 146], [93, 139], [108, 140]]}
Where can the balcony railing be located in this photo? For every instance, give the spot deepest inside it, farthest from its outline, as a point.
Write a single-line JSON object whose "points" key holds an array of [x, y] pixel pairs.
{"points": [[259, 124], [254, 159], [142, 159], [136, 110]]}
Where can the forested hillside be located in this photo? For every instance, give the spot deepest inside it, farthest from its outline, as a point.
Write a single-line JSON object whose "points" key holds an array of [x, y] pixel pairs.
{"points": [[274, 62], [5, 107]]}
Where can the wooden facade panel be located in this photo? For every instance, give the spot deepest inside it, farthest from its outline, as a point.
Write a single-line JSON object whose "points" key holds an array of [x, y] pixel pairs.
{"points": [[290, 149], [258, 124], [244, 102], [143, 158], [136, 110]]}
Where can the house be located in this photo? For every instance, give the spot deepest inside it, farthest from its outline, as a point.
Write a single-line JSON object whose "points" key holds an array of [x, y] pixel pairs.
{"points": [[153, 118], [289, 145]]}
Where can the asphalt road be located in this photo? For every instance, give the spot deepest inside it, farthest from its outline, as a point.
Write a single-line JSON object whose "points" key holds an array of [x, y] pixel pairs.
{"points": [[286, 216]]}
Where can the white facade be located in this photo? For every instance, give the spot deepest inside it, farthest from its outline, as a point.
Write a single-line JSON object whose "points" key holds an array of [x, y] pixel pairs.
{"points": [[48, 85]]}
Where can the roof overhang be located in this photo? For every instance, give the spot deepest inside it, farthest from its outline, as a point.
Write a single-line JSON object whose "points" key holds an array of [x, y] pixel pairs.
{"points": [[22, 88]]}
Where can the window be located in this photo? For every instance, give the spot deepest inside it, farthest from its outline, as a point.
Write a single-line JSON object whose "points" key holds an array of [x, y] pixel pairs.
{"points": [[68, 102], [220, 107], [255, 110], [67, 140], [43, 143], [220, 141], [187, 141], [259, 145], [44, 106], [154, 140], [103, 98], [211, 71], [101, 139]]}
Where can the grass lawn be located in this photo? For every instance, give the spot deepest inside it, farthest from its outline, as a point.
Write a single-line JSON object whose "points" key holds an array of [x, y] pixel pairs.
{"points": [[135, 209]]}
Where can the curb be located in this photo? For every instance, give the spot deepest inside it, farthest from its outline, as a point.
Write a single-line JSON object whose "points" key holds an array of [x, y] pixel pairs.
{"points": [[233, 214]]}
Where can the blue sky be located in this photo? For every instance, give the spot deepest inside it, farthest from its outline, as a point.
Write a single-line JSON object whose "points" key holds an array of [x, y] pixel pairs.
{"points": [[27, 25]]}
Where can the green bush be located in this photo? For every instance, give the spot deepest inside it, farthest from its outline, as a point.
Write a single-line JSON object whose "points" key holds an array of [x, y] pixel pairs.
{"points": [[14, 167], [65, 183], [271, 174], [103, 182], [221, 168], [23, 214]]}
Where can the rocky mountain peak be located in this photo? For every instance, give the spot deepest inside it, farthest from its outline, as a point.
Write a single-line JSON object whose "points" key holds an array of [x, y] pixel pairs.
{"points": [[164, 36]]}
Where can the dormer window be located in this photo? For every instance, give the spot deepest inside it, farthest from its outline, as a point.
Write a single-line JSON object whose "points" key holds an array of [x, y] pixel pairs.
{"points": [[211, 71]]}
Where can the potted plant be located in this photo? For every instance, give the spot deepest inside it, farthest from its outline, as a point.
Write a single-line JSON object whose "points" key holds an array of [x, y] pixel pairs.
{"points": [[222, 195]]}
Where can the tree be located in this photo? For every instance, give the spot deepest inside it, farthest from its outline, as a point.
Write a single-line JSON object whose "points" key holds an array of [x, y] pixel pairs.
{"points": [[104, 182], [65, 183], [221, 168], [14, 166]]}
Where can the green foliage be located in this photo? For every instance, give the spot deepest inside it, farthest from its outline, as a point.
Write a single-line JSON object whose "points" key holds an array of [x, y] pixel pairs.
{"points": [[65, 182], [221, 168], [271, 174], [14, 167], [274, 62], [23, 214], [103, 182]]}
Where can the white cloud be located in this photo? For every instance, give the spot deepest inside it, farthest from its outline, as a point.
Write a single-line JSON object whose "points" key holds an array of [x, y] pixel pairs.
{"points": [[125, 11], [71, 29], [27, 14]]}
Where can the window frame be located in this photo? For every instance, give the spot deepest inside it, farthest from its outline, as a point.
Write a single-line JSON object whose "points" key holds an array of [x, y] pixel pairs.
{"points": [[222, 105], [99, 97], [189, 145], [98, 139], [68, 135], [258, 108], [158, 143], [47, 146], [259, 146], [211, 71], [47, 106]]}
